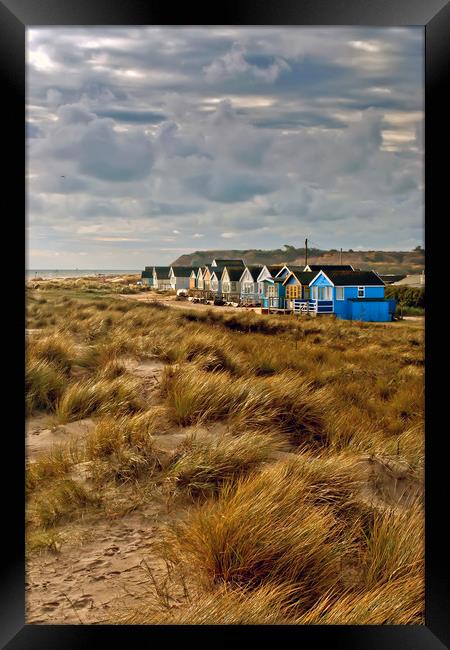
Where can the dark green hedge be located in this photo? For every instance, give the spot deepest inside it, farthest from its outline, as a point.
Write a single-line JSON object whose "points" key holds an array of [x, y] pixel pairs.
{"points": [[407, 296]]}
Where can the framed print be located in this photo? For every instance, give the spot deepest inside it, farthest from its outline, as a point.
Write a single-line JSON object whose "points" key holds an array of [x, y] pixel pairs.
{"points": [[227, 416]]}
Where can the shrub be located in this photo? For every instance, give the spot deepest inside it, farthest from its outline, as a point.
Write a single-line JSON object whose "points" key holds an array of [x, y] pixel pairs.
{"points": [[407, 296]]}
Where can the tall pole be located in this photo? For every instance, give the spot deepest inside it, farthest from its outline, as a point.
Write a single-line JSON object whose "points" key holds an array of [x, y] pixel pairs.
{"points": [[306, 252], [341, 257]]}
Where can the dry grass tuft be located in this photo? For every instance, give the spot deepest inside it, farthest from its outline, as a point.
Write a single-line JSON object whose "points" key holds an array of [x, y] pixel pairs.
{"points": [[224, 606], [285, 403], [400, 602], [44, 385], [63, 500], [54, 464], [202, 466], [103, 396], [123, 449], [258, 531]]}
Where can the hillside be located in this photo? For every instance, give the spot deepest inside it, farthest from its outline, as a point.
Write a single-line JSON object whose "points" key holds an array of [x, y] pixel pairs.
{"points": [[380, 261]]}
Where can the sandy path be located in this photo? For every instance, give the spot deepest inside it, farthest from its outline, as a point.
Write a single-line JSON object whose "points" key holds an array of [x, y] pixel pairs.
{"points": [[184, 304], [101, 561], [107, 567]]}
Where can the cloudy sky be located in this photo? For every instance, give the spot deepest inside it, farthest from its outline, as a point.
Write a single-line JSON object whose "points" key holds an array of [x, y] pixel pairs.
{"points": [[145, 143]]}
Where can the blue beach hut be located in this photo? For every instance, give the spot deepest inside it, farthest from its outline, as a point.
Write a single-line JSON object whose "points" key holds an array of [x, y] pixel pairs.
{"points": [[351, 295]]}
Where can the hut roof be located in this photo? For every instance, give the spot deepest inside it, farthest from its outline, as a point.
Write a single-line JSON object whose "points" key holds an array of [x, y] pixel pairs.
{"points": [[304, 277], [234, 273], [330, 267], [182, 271], [255, 270], [230, 263], [162, 272], [354, 278]]}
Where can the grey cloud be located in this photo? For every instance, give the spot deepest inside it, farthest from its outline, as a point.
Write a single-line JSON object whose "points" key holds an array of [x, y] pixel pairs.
{"points": [[139, 131], [137, 117], [95, 148], [227, 186], [33, 131]]}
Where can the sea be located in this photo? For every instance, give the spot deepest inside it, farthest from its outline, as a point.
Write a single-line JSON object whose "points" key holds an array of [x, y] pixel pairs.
{"points": [[75, 273]]}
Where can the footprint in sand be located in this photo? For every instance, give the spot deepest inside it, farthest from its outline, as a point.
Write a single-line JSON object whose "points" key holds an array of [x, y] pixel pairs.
{"points": [[84, 601], [97, 562], [112, 550], [50, 606]]}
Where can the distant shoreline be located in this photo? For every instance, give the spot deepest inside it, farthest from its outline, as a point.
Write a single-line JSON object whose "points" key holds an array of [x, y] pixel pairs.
{"points": [[51, 274]]}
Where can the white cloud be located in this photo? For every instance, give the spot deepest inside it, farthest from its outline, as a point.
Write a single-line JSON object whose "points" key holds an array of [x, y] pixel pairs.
{"points": [[234, 63], [365, 46]]}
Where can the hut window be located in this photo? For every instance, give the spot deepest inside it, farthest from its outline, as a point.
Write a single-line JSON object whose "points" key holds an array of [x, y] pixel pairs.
{"points": [[292, 291], [360, 292], [324, 293], [339, 293]]}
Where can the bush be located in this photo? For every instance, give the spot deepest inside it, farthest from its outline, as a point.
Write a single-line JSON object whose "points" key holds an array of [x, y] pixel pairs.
{"points": [[407, 296]]}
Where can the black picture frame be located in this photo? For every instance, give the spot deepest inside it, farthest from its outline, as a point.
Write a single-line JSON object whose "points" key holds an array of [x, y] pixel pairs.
{"points": [[433, 15]]}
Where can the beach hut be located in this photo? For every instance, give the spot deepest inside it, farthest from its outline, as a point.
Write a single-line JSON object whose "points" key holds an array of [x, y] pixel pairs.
{"points": [[179, 277], [147, 276], [216, 281], [161, 278], [296, 286], [231, 285], [199, 282], [350, 295], [249, 284], [207, 280], [266, 273], [230, 263], [193, 278], [274, 293], [283, 272]]}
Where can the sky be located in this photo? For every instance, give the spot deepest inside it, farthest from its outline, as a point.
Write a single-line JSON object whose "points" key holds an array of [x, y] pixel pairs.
{"points": [[144, 143]]}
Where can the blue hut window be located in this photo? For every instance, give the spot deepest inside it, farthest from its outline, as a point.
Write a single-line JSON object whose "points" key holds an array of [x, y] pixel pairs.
{"points": [[339, 293], [360, 292]]}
